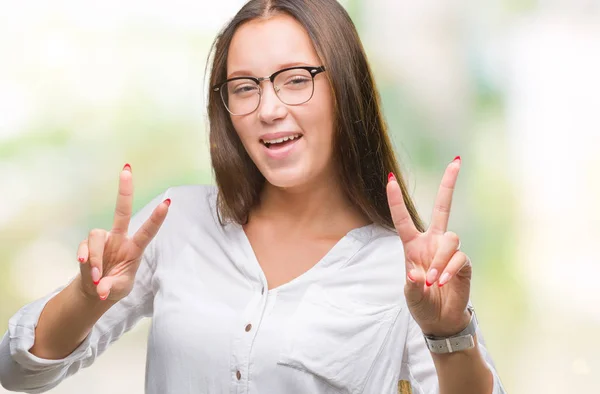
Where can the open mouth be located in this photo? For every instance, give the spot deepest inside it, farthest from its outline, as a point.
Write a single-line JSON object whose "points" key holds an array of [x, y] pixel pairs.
{"points": [[281, 142]]}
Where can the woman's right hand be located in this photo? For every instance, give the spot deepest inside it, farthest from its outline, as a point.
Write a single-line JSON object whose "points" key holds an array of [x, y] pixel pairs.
{"points": [[109, 260]]}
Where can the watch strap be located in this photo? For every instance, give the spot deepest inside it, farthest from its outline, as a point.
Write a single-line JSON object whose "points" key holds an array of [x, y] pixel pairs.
{"points": [[461, 341], [450, 345]]}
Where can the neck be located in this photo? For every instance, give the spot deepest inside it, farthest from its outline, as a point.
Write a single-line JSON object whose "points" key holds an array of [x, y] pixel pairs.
{"points": [[320, 207]]}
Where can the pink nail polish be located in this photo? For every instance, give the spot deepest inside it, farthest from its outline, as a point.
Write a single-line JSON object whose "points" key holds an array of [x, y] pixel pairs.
{"points": [[443, 279], [95, 275], [127, 167], [391, 177], [106, 296], [168, 202], [80, 259], [457, 158], [431, 277]]}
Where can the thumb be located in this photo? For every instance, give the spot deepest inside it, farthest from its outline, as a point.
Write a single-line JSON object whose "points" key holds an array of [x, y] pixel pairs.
{"points": [[415, 284], [104, 287]]}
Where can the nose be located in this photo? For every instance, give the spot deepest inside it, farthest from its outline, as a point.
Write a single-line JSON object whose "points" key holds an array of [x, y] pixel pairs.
{"points": [[270, 108]]}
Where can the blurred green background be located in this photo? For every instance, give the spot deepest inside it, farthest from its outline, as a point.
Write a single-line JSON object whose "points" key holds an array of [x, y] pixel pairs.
{"points": [[509, 85]]}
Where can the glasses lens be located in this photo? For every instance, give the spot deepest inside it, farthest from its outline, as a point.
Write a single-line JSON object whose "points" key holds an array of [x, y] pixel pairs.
{"points": [[294, 86], [241, 96]]}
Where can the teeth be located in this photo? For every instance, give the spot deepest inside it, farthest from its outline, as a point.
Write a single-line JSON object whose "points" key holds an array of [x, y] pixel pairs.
{"points": [[279, 140]]}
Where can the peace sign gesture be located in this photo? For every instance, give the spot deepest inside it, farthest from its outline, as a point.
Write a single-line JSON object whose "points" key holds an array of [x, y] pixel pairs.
{"points": [[110, 259], [433, 256]]}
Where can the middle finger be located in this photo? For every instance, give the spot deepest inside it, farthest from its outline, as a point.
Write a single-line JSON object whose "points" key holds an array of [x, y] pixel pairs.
{"points": [[443, 201]]}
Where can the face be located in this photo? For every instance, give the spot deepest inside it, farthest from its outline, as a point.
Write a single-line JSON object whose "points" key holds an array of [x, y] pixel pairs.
{"points": [[259, 48]]}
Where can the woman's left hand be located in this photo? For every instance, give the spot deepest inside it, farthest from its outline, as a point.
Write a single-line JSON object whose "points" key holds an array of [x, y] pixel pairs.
{"points": [[438, 274]]}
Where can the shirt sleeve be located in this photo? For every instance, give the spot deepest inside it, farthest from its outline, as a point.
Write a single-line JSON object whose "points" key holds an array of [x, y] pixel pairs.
{"points": [[21, 370], [418, 367]]}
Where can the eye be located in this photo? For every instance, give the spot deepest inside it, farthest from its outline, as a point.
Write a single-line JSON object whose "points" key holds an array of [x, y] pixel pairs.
{"points": [[243, 88], [297, 81]]}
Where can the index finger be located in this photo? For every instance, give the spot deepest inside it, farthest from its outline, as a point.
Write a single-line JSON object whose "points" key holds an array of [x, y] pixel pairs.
{"points": [[124, 202], [405, 227], [443, 201]]}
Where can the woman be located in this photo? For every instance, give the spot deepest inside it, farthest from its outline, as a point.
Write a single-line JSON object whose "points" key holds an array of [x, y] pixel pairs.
{"points": [[287, 277]]}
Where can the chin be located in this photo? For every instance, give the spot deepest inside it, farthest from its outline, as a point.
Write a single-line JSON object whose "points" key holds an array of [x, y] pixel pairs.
{"points": [[286, 177]]}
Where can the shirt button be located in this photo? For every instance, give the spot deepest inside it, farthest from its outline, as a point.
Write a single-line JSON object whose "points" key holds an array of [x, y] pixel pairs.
{"points": [[238, 375], [248, 327]]}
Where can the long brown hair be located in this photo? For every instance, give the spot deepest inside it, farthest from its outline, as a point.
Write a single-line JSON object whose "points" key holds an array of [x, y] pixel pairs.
{"points": [[363, 151]]}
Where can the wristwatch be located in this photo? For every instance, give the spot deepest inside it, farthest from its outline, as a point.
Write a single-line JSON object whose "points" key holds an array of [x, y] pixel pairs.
{"points": [[462, 341]]}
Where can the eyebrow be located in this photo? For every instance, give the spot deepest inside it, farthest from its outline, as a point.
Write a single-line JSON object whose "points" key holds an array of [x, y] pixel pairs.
{"points": [[245, 73]]}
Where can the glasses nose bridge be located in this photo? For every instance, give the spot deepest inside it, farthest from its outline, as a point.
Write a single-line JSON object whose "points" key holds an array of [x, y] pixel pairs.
{"points": [[267, 78]]}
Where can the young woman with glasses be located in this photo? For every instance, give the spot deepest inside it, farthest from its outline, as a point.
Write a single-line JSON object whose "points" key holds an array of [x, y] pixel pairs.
{"points": [[305, 270]]}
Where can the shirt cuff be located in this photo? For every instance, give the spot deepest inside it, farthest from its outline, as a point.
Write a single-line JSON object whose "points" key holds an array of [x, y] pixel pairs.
{"points": [[21, 332]]}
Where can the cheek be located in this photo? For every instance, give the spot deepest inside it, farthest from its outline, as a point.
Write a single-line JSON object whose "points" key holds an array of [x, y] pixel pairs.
{"points": [[242, 127], [322, 117]]}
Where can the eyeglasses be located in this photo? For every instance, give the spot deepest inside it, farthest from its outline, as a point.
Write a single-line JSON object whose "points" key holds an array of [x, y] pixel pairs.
{"points": [[293, 86]]}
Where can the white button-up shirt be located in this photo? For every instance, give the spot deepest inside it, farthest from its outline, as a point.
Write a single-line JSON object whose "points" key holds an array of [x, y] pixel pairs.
{"points": [[341, 327]]}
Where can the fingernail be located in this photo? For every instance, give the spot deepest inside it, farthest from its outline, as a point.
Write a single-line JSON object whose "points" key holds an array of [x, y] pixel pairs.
{"points": [[168, 202], [80, 259], [431, 276], [411, 277], [457, 158], [127, 167], [391, 177], [105, 297], [95, 275], [443, 279]]}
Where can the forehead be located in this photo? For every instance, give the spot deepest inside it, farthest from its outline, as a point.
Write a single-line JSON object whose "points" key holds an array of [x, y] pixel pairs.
{"points": [[263, 46]]}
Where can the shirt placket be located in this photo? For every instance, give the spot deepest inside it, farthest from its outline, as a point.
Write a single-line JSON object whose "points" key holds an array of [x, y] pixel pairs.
{"points": [[245, 333]]}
